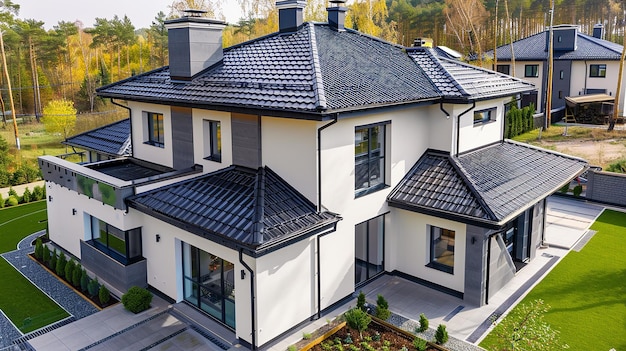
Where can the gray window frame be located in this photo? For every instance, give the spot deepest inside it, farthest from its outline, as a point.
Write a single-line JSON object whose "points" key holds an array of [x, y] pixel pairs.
{"points": [[485, 116], [213, 143], [155, 139], [534, 71], [434, 241], [597, 70], [371, 159]]}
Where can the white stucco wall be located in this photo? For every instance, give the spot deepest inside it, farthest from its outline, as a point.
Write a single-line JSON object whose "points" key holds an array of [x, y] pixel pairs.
{"points": [[67, 229], [139, 127], [473, 135], [290, 150], [409, 248], [539, 81], [581, 80], [200, 138]]}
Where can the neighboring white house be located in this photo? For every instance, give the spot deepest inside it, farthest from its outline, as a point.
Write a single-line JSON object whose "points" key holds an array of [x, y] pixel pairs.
{"points": [[283, 173], [583, 64]]}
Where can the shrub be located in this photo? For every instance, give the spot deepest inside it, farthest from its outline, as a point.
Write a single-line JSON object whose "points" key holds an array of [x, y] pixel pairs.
{"points": [[69, 270], [441, 335], [53, 260], [137, 299], [26, 197], [78, 270], [423, 323], [382, 309], [46, 254], [292, 348], [93, 287], [306, 336], [38, 249], [420, 344], [578, 189], [13, 201], [60, 266], [104, 295], [84, 280], [37, 193], [617, 167], [358, 319], [1, 201], [564, 189], [12, 192], [360, 301]]}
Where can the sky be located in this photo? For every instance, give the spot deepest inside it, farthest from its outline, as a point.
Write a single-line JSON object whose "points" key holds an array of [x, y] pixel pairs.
{"points": [[140, 12]]}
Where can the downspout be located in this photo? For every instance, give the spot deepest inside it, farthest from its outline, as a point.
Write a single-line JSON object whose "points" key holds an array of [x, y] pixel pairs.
{"points": [[458, 126], [129, 116], [252, 305], [319, 161], [585, 86]]}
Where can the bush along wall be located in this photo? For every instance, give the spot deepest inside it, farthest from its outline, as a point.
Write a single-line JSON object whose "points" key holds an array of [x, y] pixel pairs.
{"points": [[38, 193], [519, 121]]}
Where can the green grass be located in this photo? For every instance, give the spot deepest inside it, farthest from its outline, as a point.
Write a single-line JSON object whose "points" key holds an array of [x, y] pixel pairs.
{"points": [[587, 290], [23, 303]]}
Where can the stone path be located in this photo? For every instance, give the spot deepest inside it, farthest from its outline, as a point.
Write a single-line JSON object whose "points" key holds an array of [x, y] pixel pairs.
{"points": [[66, 297]]}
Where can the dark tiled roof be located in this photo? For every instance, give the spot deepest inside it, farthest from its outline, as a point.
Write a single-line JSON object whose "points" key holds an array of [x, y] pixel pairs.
{"points": [[254, 208], [314, 70], [128, 169], [533, 48], [457, 79], [491, 185], [112, 139]]}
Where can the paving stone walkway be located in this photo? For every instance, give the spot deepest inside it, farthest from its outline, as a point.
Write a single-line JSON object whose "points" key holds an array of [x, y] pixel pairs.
{"points": [[67, 298]]}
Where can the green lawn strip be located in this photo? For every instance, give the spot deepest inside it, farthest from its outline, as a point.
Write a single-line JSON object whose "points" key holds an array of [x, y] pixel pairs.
{"points": [[24, 304], [586, 290], [20, 221]]}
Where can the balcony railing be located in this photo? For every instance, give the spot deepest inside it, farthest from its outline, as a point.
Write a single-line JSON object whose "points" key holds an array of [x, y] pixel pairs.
{"points": [[110, 182]]}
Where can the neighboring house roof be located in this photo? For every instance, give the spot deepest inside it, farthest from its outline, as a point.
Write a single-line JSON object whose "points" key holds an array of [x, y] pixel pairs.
{"points": [[237, 206], [313, 71], [489, 186], [456, 79], [533, 48], [112, 139]]}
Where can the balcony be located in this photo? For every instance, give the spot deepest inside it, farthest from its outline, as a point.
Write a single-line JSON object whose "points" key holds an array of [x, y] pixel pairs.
{"points": [[112, 181]]}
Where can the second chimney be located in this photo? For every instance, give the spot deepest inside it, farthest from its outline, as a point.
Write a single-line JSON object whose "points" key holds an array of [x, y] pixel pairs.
{"points": [[194, 44], [337, 14], [290, 15], [598, 31]]}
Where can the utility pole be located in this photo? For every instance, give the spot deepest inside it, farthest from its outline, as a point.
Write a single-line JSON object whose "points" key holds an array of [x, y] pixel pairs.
{"points": [[6, 73], [548, 111], [618, 91]]}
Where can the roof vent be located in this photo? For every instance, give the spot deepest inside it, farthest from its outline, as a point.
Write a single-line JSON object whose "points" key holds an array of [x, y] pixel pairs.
{"points": [[290, 15], [423, 42], [337, 14], [195, 43]]}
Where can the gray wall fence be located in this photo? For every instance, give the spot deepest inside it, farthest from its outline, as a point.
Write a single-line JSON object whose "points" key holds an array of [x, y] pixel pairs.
{"points": [[606, 187]]}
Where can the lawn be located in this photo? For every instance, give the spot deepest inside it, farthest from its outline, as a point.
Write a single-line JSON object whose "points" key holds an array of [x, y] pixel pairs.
{"points": [[23, 303], [587, 290]]}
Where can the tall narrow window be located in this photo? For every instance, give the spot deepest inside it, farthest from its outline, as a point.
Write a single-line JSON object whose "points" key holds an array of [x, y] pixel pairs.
{"points": [[597, 71], [155, 129], [369, 158], [212, 140], [369, 249], [531, 71], [442, 249]]}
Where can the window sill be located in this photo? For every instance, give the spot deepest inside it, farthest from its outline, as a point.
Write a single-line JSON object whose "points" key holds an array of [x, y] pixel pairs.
{"points": [[482, 123], [441, 267], [363, 192], [214, 159], [161, 145]]}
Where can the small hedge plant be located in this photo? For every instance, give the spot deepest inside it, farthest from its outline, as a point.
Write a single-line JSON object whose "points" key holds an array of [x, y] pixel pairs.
{"points": [[441, 335], [137, 299], [104, 295], [382, 308], [423, 323]]}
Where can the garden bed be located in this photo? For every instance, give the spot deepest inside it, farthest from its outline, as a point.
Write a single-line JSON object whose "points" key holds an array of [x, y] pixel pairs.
{"points": [[378, 336]]}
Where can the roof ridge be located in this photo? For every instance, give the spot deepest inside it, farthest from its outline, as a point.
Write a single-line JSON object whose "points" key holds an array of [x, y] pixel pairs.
{"points": [[318, 82], [457, 84], [460, 170], [600, 42]]}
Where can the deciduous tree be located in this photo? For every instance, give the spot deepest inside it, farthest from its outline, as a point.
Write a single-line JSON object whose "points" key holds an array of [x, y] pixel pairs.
{"points": [[59, 117]]}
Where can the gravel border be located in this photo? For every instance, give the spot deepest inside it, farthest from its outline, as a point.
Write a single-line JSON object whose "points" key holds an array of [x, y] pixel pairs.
{"points": [[63, 295]]}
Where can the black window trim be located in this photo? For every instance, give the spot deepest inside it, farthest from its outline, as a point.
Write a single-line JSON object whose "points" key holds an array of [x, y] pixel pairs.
{"points": [[108, 250], [597, 70], [150, 129], [536, 71], [432, 263], [383, 185], [212, 156], [492, 118]]}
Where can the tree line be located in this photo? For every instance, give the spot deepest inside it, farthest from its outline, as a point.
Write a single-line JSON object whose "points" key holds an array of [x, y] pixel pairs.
{"points": [[72, 59]]}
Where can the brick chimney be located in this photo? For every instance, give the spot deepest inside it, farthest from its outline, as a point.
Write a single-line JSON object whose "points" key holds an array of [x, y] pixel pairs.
{"points": [[337, 14], [195, 43], [290, 15]]}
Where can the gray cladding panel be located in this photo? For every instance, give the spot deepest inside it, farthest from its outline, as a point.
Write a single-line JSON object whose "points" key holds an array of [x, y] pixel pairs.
{"points": [[178, 45], [182, 137], [246, 138], [107, 269], [475, 267]]}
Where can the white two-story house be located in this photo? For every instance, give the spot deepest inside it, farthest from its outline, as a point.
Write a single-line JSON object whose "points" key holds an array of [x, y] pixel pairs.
{"points": [[281, 174]]}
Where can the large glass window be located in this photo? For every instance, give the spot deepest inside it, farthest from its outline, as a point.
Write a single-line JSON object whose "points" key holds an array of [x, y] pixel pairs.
{"points": [[155, 129], [369, 249], [209, 283], [123, 246], [369, 158], [503, 69], [597, 71], [212, 140], [531, 71], [442, 249]]}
